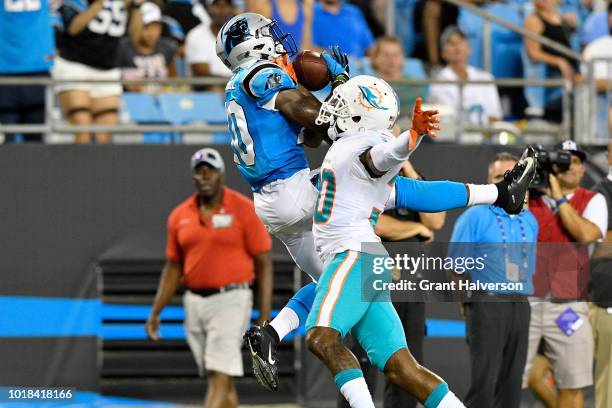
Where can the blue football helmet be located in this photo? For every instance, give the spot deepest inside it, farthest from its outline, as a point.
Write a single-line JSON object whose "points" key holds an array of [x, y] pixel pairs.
{"points": [[251, 36]]}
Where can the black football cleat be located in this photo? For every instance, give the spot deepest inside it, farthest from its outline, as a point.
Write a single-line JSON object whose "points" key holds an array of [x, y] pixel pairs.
{"points": [[262, 347], [513, 188]]}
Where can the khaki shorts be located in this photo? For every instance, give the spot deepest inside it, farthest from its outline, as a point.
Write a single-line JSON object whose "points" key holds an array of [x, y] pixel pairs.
{"points": [[64, 69], [214, 326], [571, 357]]}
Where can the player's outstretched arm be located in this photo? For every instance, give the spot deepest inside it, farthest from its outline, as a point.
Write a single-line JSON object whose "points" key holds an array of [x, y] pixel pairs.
{"points": [[382, 157], [429, 196]]}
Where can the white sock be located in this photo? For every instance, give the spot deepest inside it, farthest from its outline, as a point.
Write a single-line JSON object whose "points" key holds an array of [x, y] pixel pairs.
{"points": [[450, 401], [285, 321], [357, 394], [482, 194]]}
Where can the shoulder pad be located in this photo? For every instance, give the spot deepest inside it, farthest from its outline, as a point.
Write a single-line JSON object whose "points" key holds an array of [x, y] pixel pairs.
{"points": [[264, 80]]}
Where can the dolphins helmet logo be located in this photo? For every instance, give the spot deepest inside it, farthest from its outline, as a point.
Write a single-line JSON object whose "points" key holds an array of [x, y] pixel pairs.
{"points": [[370, 98]]}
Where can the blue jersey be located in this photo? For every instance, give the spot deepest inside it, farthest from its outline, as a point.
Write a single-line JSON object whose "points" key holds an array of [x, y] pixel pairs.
{"points": [[265, 143], [27, 37]]}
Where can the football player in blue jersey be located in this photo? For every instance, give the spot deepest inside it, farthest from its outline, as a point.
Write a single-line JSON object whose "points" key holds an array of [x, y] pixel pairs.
{"points": [[270, 118], [266, 111]]}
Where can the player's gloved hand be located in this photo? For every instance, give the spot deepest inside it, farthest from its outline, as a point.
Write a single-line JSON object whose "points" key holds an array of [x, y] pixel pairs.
{"points": [[337, 71], [339, 56], [424, 122]]}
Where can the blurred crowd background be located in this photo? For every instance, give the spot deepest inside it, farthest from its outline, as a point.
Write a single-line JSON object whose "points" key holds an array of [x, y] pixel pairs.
{"points": [[422, 46]]}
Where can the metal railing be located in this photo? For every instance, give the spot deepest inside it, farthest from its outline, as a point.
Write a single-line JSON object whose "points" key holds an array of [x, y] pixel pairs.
{"points": [[53, 126]]}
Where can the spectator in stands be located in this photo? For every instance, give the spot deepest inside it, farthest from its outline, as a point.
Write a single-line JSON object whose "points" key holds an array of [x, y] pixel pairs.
{"points": [[147, 54], [375, 13], [87, 44], [548, 22], [200, 53], [595, 26], [388, 63], [339, 23], [20, 56], [293, 17], [566, 213], [601, 312], [432, 17], [215, 247], [186, 13], [481, 104], [497, 322], [602, 48]]}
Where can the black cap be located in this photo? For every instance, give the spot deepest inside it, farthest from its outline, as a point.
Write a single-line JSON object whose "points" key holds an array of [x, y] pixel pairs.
{"points": [[573, 148]]}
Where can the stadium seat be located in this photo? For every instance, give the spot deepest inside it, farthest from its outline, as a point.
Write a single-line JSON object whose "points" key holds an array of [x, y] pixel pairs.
{"points": [[185, 108], [535, 95], [471, 24], [143, 108], [413, 68], [506, 44]]}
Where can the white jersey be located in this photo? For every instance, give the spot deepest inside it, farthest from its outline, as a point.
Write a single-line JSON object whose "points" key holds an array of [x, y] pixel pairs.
{"points": [[350, 200]]}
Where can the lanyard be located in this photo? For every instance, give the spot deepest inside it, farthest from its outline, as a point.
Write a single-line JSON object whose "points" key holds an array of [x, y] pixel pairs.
{"points": [[504, 237]]}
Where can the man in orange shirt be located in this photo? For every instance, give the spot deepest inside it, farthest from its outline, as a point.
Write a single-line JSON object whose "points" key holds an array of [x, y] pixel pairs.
{"points": [[215, 246]]}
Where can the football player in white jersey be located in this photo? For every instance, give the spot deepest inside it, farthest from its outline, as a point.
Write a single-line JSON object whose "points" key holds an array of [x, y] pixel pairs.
{"points": [[357, 181]]}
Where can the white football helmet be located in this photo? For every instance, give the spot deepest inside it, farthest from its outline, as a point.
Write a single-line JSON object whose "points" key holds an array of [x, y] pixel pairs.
{"points": [[363, 102], [251, 36]]}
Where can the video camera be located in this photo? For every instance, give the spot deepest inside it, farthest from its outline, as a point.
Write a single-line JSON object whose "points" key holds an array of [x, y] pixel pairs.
{"points": [[546, 160]]}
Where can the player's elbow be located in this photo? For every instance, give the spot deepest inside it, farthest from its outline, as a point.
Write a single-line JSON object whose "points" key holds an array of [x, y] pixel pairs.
{"points": [[434, 223]]}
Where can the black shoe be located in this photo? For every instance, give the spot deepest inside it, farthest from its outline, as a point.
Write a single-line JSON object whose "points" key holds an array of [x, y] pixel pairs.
{"points": [[262, 346], [513, 188]]}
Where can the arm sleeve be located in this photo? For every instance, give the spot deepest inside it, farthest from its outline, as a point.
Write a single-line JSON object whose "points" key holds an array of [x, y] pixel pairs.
{"points": [[429, 196], [173, 248], [596, 211], [386, 155], [265, 82], [256, 238]]}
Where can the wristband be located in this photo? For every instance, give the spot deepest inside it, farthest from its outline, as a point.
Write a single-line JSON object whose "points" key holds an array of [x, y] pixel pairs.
{"points": [[561, 201]]}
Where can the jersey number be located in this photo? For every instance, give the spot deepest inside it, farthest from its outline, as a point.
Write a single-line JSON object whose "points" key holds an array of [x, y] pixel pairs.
{"points": [[242, 142], [17, 6], [325, 200], [111, 20]]}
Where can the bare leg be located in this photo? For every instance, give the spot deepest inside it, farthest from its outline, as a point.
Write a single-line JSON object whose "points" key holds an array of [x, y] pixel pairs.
{"points": [[405, 372], [76, 107], [218, 389], [104, 112], [326, 344], [570, 399], [231, 401], [537, 382]]}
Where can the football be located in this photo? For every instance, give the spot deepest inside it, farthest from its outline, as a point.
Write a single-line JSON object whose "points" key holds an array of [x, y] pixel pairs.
{"points": [[311, 70]]}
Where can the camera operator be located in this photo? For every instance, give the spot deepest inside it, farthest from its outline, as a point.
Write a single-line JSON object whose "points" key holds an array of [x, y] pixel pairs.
{"points": [[565, 213]]}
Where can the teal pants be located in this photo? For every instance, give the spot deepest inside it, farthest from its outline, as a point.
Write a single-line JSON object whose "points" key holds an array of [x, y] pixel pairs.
{"points": [[350, 298]]}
